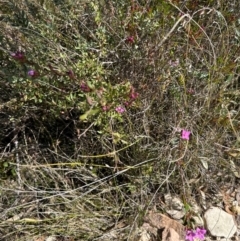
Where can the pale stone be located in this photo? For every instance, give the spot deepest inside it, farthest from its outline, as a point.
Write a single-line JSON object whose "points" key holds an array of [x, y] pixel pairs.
{"points": [[170, 234], [174, 207], [161, 221], [145, 236], [51, 238], [198, 221], [173, 202], [219, 223], [176, 214]]}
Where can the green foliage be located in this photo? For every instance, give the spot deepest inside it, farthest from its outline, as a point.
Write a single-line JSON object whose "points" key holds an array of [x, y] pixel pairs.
{"points": [[7, 171], [68, 71]]}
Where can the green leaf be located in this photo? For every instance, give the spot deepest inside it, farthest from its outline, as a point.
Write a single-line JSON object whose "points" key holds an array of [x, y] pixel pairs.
{"points": [[93, 112], [84, 116], [5, 164], [91, 86], [89, 113], [13, 172], [187, 207]]}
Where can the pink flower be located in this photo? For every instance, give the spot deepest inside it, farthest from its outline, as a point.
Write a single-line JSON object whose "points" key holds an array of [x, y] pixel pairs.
{"points": [[133, 94], [84, 87], [199, 233], [130, 39], [120, 109], [186, 134], [105, 108], [191, 235], [70, 74], [18, 56], [32, 73], [127, 103]]}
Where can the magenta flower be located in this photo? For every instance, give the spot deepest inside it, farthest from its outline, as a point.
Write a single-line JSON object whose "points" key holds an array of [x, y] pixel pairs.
{"points": [[130, 39], [191, 235], [120, 109], [133, 94], [199, 234], [70, 74], [105, 108], [84, 87], [18, 56], [32, 73], [185, 134], [127, 103]]}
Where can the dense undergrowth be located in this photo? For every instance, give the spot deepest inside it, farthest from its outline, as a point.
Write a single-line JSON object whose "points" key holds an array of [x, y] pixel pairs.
{"points": [[94, 96]]}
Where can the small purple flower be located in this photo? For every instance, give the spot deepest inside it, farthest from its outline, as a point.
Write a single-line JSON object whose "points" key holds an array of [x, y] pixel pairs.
{"points": [[130, 39], [32, 73], [105, 108], [127, 103], [191, 235], [200, 233], [186, 134], [70, 74], [84, 87], [133, 94], [120, 109], [18, 56]]}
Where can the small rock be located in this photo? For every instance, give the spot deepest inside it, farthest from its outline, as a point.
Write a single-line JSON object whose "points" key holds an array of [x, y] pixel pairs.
{"points": [[173, 202], [195, 207], [170, 234], [220, 223], [51, 238], [177, 204], [149, 229], [160, 221], [145, 236], [175, 214], [198, 221]]}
